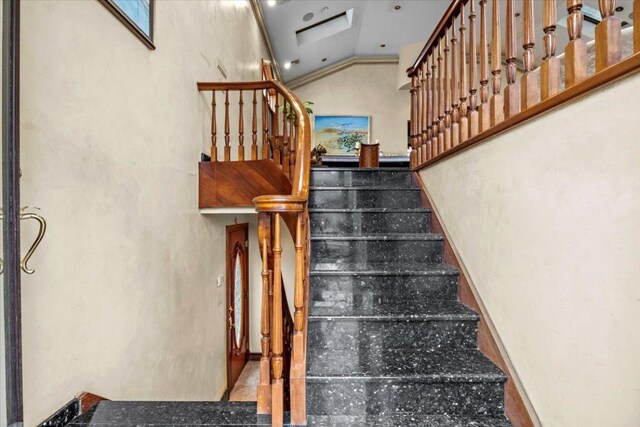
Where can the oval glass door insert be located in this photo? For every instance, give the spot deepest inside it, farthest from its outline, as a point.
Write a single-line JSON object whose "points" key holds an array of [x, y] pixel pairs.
{"points": [[237, 302]]}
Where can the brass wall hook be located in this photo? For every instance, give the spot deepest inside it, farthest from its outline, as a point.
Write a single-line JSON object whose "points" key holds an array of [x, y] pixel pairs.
{"points": [[43, 229]]}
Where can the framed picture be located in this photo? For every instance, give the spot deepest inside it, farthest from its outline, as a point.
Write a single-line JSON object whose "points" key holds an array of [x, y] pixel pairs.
{"points": [[136, 15], [340, 134]]}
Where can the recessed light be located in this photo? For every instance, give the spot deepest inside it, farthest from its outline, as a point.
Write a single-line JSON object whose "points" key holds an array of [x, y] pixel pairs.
{"points": [[324, 9], [271, 3], [324, 59], [619, 8], [307, 17], [397, 7], [383, 45], [287, 65]]}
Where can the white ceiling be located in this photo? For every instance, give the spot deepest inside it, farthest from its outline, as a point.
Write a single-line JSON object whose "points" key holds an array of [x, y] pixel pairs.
{"points": [[375, 22]]}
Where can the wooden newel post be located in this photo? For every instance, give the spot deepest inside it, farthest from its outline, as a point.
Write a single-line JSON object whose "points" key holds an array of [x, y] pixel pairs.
{"points": [[277, 362], [264, 388], [608, 36]]}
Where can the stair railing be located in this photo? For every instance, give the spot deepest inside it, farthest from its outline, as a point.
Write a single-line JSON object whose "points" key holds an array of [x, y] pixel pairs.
{"points": [[451, 108], [286, 140]]}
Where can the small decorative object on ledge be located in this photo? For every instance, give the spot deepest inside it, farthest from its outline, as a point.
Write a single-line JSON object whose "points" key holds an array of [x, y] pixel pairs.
{"points": [[370, 155]]}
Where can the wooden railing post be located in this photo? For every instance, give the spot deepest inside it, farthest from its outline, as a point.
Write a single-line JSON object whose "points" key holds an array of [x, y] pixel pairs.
{"points": [[240, 128], [265, 127], [474, 120], [227, 138], [511, 92], [419, 94], [254, 128], [264, 388], [435, 99], [550, 68], [447, 92], [608, 36], [426, 142], [414, 115], [277, 385], [275, 133], [575, 54], [497, 102], [285, 138], [455, 96], [214, 128], [429, 110], [464, 120], [298, 386], [441, 100], [484, 111], [530, 82]]}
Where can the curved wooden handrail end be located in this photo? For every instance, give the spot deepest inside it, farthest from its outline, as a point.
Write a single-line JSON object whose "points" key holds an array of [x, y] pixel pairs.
{"points": [[280, 203]]}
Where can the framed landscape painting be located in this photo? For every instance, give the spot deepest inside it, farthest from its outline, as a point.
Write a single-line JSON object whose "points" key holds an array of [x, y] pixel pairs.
{"points": [[340, 134]]}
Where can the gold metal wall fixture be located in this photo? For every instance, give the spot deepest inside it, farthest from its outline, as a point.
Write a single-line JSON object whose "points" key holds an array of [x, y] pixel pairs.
{"points": [[42, 230]]}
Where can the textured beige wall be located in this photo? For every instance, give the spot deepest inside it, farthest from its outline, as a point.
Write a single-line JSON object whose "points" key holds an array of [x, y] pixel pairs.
{"points": [[123, 302], [367, 90], [545, 218]]}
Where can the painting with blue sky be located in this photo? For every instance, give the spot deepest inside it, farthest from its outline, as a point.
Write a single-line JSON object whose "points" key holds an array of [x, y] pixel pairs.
{"points": [[341, 134], [139, 11]]}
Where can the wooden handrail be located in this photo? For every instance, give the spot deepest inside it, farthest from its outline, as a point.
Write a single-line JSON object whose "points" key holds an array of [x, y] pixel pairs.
{"points": [[540, 89], [286, 139]]}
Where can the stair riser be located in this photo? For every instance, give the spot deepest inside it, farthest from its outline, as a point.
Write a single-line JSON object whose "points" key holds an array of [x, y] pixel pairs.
{"points": [[392, 288], [353, 199], [401, 179], [362, 223], [361, 251], [410, 335], [358, 396]]}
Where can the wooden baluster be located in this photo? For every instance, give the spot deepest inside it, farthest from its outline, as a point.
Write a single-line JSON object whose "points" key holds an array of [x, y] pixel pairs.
{"points": [[636, 26], [277, 145], [575, 54], [240, 128], [254, 129], [265, 128], [447, 92], [426, 141], [455, 96], [297, 380], [413, 125], [214, 128], [286, 110], [464, 120], [497, 102], [474, 120], [292, 142], [511, 92], [428, 109], [227, 138], [264, 388], [419, 95], [441, 100], [483, 109], [434, 105], [530, 82], [550, 68], [277, 384], [608, 36]]}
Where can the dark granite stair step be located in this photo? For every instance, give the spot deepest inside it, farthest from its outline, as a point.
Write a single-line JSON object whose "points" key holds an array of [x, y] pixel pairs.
{"points": [[390, 268], [411, 325], [418, 247], [349, 177], [364, 197], [398, 364], [392, 288], [369, 221], [124, 414], [406, 419]]}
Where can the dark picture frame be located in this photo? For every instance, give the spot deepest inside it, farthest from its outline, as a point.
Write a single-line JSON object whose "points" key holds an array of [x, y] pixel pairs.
{"points": [[128, 21]]}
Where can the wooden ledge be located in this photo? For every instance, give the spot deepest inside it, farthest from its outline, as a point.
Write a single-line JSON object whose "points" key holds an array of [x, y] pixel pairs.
{"points": [[280, 203], [597, 81]]}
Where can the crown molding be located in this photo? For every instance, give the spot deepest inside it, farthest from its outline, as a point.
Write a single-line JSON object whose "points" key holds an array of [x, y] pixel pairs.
{"points": [[339, 66], [257, 13]]}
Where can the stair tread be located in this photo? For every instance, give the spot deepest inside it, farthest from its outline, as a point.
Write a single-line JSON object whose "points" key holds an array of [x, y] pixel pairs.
{"points": [[383, 268], [378, 236], [369, 210], [359, 169], [406, 419], [376, 363], [378, 309], [363, 187]]}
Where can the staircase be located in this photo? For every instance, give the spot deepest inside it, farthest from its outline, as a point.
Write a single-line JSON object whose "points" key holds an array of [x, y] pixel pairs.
{"points": [[388, 343]]}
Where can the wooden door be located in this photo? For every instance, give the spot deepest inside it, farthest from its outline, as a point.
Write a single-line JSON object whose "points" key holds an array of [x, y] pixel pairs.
{"points": [[237, 301]]}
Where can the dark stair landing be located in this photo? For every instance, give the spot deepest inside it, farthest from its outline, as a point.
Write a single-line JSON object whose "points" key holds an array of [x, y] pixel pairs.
{"points": [[389, 343]]}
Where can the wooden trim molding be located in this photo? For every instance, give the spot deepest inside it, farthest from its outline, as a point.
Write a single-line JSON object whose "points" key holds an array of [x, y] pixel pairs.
{"points": [[339, 66], [517, 404], [627, 66]]}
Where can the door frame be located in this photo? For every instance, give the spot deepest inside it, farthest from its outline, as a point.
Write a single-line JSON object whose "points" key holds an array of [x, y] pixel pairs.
{"points": [[230, 257], [11, 205]]}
